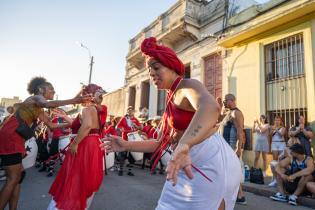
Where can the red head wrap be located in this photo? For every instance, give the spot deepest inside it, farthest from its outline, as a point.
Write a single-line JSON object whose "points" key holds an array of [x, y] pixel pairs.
{"points": [[164, 55], [91, 89]]}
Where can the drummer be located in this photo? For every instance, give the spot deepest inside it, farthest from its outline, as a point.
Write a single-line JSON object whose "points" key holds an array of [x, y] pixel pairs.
{"points": [[58, 116], [127, 124]]}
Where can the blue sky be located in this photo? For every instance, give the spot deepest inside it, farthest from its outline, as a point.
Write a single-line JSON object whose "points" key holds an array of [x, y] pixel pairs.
{"points": [[38, 38]]}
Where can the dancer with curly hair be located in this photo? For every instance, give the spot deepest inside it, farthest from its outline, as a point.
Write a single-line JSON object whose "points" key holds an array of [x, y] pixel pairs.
{"points": [[19, 127]]}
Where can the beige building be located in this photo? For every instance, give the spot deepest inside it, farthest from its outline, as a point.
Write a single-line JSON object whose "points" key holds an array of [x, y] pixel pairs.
{"points": [[115, 102], [10, 101], [268, 61], [186, 28], [263, 54]]}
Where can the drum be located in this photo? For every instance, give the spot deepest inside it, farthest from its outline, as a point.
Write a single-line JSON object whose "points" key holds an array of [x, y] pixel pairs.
{"points": [[110, 160], [63, 143], [135, 136], [31, 153]]}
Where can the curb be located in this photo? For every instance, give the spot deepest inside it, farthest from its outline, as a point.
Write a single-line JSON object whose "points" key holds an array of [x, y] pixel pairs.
{"points": [[266, 191]]}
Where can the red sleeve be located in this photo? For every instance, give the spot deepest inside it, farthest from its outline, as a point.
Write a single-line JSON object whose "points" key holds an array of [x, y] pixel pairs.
{"points": [[152, 133], [111, 130], [136, 121]]}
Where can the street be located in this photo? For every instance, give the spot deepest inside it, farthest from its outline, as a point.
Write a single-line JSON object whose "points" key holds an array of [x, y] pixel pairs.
{"points": [[140, 192]]}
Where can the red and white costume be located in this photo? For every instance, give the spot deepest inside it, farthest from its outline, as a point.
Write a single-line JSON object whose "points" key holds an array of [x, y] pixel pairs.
{"points": [[127, 125]]}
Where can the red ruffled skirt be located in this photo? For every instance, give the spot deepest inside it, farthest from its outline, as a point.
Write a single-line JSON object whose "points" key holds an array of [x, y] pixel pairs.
{"points": [[80, 175], [10, 141]]}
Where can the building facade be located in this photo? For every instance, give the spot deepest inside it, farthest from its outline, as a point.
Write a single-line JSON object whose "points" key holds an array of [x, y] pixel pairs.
{"points": [[262, 53], [268, 61], [186, 28], [10, 101]]}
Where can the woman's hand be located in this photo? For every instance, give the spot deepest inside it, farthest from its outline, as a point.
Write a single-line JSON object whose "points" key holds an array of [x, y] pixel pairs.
{"points": [[180, 160], [83, 99], [74, 148], [113, 144]]}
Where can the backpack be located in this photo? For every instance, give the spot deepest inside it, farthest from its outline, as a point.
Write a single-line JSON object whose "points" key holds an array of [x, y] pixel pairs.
{"points": [[256, 176]]}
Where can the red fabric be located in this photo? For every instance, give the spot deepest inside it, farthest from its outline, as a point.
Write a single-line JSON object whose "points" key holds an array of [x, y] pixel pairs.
{"points": [[153, 133], [173, 118], [57, 132], [91, 89], [122, 124], [80, 175], [163, 54], [146, 129], [10, 141], [111, 130]]}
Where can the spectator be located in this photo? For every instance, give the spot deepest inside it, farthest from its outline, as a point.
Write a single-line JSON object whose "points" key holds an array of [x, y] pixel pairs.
{"points": [[277, 132], [232, 129], [292, 175], [310, 186], [304, 133], [278, 141], [261, 128]]}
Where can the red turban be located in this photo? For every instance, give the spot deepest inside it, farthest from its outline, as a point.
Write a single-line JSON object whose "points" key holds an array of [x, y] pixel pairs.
{"points": [[91, 89], [164, 55]]}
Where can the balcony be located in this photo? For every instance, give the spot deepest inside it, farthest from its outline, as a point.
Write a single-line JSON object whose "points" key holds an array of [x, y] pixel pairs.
{"points": [[180, 22]]}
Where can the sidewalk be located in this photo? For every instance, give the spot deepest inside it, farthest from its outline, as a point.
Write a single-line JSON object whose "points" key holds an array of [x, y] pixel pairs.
{"points": [[264, 190]]}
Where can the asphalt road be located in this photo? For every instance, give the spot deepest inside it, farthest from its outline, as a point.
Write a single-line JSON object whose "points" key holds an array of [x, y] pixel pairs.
{"points": [[140, 192]]}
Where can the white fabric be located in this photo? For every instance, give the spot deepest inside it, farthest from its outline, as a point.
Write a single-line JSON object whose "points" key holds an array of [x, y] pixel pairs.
{"points": [[277, 146], [63, 143], [218, 161], [110, 160], [129, 122], [52, 204], [31, 153]]}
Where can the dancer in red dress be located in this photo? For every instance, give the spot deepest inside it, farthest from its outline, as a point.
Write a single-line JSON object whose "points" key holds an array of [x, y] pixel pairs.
{"points": [[82, 171], [18, 128]]}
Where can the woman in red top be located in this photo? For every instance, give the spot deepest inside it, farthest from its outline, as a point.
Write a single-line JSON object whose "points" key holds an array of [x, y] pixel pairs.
{"points": [[12, 147], [199, 152], [81, 173]]}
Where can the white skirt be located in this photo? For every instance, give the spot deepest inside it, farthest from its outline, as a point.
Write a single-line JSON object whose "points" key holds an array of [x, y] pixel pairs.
{"points": [[215, 158]]}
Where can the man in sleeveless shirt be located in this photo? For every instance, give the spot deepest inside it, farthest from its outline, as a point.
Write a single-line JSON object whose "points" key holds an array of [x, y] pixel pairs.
{"points": [[231, 127], [292, 175]]}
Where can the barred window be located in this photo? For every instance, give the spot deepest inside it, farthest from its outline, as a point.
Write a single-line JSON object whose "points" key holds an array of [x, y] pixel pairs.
{"points": [[285, 79], [284, 58]]}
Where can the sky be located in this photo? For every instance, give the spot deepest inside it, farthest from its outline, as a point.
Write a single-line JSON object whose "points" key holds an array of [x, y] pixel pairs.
{"points": [[39, 38]]}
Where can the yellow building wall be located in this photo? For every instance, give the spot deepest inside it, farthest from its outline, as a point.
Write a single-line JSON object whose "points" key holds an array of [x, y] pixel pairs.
{"points": [[115, 102], [244, 75]]}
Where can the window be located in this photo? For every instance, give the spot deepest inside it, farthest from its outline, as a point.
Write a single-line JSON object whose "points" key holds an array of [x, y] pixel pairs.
{"points": [[284, 58], [285, 79]]}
